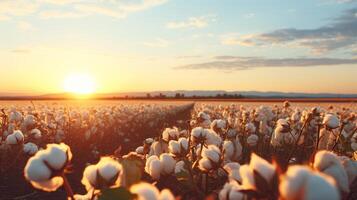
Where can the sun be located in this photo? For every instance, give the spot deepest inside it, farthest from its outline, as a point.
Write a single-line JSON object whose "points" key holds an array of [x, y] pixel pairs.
{"points": [[79, 84]]}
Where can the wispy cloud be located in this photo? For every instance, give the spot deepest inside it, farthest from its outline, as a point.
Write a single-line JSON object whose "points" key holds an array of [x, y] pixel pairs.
{"points": [[340, 33], [21, 51], [158, 42], [249, 15], [47, 9], [25, 26], [243, 63], [192, 22]]}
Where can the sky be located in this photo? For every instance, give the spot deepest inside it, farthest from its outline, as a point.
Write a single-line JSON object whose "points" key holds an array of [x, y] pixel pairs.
{"points": [[146, 45]]}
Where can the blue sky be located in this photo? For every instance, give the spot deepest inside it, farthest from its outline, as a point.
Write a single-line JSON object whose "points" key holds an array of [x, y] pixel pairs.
{"points": [[143, 45]]}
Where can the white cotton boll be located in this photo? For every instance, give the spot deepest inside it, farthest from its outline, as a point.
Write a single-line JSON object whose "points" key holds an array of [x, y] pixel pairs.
{"points": [[183, 144], [350, 168], [233, 171], [204, 116], [212, 152], [205, 164], [232, 150], [140, 150], [300, 182], [331, 121], [212, 138], [15, 138], [30, 148], [174, 147], [219, 124], [252, 140], [56, 155], [153, 167], [36, 170], [262, 166], [230, 191], [39, 175], [170, 134], [15, 116], [109, 170], [145, 191], [329, 163], [198, 134], [149, 141], [166, 194], [168, 163], [36, 133], [29, 120], [157, 148]]}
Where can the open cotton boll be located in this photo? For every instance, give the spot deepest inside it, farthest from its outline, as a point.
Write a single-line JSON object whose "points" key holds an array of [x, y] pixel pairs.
{"points": [[232, 150], [15, 138], [198, 134], [15, 116], [140, 150], [265, 169], [212, 152], [174, 147], [300, 182], [218, 124], [158, 147], [105, 174], [331, 121], [350, 168], [30, 148], [146, 191], [57, 155], [230, 191], [170, 134], [213, 138], [153, 167], [250, 128], [40, 175], [329, 163], [36, 133], [252, 140], [205, 164], [168, 163], [233, 171], [247, 177], [29, 120], [184, 144]]}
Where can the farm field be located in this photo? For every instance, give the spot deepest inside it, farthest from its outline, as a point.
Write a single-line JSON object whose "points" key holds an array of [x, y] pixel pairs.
{"points": [[185, 149]]}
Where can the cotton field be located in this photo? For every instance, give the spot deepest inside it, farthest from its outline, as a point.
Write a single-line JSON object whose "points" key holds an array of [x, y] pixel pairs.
{"points": [[178, 150]]}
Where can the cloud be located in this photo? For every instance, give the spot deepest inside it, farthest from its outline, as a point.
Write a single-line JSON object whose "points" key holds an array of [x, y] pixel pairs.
{"points": [[25, 26], [340, 33], [243, 63], [47, 9], [192, 22], [249, 15], [12, 8], [158, 42]]}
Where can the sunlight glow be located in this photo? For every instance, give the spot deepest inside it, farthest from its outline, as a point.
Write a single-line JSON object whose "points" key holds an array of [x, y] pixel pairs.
{"points": [[79, 84]]}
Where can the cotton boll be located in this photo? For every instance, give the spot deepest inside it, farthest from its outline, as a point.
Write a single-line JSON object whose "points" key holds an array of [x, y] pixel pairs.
{"points": [[250, 128], [198, 134], [158, 147], [40, 175], [265, 169], [29, 120], [30, 148], [350, 168], [230, 191], [57, 155], [328, 163], [153, 167], [168, 163], [145, 191], [15, 138], [300, 182], [252, 140], [331, 121], [212, 138], [140, 150], [184, 144], [233, 171], [106, 173], [174, 147], [232, 150], [170, 134], [212, 152], [205, 164], [36, 133]]}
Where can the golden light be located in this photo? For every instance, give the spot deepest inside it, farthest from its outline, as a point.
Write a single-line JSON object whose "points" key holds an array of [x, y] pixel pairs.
{"points": [[79, 84]]}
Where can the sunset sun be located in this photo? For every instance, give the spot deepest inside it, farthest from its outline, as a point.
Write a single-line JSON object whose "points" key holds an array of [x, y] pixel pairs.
{"points": [[79, 84]]}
